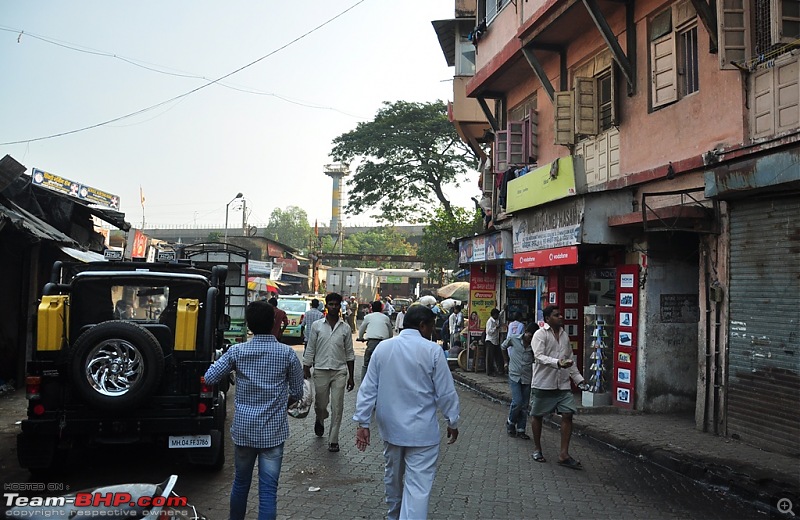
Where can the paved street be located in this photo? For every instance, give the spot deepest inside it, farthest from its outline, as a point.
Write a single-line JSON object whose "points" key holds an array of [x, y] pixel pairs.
{"points": [[484, 475]]}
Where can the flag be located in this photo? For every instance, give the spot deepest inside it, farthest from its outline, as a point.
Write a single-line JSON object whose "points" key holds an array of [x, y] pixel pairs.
{"points": [[141, 195]]}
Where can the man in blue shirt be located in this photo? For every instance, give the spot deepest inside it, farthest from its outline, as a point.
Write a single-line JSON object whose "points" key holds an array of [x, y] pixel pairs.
{"points": [[407, 381], [269, 377]]}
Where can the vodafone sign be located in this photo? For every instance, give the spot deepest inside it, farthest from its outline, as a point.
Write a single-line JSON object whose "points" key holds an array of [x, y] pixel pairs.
{"points": [[546, 257]]}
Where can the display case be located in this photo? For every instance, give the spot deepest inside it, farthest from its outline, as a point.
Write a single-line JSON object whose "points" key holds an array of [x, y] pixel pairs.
{"points": [[598, 354]]}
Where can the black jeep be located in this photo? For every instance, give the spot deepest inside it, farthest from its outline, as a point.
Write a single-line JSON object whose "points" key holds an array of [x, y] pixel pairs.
{"points": [[120, 353]]}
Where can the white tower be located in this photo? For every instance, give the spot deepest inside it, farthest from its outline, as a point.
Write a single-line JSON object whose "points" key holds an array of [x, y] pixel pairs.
{"points": [[336, 171]]}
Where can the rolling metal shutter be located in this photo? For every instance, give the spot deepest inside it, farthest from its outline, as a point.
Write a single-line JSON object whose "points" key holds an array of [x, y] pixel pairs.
{"points": [[763, 398]]}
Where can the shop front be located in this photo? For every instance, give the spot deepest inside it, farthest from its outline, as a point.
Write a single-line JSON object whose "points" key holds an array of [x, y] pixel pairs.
{"points": [[485, 257], [566, 255]]}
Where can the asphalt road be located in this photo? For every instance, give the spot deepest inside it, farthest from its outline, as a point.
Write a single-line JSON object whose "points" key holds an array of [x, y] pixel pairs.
{"points": [[485, 475]]}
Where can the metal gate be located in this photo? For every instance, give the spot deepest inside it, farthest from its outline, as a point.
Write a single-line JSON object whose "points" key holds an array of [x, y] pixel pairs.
{"points": [[763, 397]]}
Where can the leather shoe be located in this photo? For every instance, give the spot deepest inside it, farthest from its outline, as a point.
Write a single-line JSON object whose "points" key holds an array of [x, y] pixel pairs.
{"points": [[319, 429]]}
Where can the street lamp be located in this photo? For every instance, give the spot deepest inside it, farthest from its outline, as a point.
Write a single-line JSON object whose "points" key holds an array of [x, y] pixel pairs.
{"points": [[237, 197]]}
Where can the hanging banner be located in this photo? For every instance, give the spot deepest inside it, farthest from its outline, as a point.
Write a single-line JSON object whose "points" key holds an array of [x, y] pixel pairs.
{"points": [[625, 335]]}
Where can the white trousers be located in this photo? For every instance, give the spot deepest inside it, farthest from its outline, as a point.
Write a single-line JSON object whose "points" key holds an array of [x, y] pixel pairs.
{"points": [[329, 385], [408, 478]]}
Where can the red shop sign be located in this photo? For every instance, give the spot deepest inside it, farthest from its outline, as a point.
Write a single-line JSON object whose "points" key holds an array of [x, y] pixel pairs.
{"points": [[546, 257]]}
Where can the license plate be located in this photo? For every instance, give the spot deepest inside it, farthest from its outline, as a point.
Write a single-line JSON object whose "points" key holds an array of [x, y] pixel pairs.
{"points": [[190, 441]]}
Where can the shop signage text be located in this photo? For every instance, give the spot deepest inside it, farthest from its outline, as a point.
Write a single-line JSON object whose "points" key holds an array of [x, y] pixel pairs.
{"points": [[73, 189], [546, 257]]}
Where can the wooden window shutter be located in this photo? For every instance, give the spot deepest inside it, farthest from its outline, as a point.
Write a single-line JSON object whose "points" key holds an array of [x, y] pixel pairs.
{"points": [[734, 32], [517, 143], [564, 120], [533, 134], [500, 161], [586, 106], [664, 80], [614, 85], [763, 110], [785, 23]]}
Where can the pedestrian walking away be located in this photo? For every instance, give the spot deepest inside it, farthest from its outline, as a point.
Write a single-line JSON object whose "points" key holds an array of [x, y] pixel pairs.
{"points": [[281, 320], [308, 319], [330, 353], [398, 322], [519, 365], [494, 358], [407, 381], [455, 324], [269, 378], [550, 387], [376, 327], [516, 327]]}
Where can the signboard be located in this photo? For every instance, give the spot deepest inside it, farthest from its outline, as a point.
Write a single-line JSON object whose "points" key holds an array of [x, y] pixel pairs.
{"points": [[558, 225], [490, 247], [482, 297], [139, 247], [74, 189], [546, 258], [290, 265], [545, 184]]}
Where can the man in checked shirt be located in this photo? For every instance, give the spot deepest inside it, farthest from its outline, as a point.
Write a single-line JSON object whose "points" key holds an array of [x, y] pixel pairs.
{"points": [[269, 378]]}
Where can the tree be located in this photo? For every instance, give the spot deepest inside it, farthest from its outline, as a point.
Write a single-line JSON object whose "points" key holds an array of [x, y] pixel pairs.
{"points": [[214, 236], [289, 227], [436, 248], [406, 156]]}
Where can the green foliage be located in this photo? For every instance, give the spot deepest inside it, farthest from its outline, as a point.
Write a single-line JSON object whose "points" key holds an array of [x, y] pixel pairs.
{"points": [[434, 250], [215, 236], [406, 156], [289, 227]]}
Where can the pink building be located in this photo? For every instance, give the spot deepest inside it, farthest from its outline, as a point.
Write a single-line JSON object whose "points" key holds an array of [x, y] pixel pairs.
{"points": [[645, 156]]}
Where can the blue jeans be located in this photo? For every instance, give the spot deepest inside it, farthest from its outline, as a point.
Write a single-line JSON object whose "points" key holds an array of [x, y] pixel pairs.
{"points": [[269, 470], [518, 411]]}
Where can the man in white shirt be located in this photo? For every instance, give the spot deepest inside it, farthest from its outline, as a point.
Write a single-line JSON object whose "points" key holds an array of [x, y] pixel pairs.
{"points": [[330, 352], [550, 387], [456, 324], [398, 321], [406, 383], [377, 327], [494, 358]]}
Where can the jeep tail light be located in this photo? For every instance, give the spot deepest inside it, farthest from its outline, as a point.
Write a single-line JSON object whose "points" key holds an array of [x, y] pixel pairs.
{"points": [[38, 409], [206, 392], [202, 408], [33, 387]]}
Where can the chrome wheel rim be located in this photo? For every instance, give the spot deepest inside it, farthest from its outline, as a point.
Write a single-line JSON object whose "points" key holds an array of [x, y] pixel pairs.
{"points": [[114, 367]]}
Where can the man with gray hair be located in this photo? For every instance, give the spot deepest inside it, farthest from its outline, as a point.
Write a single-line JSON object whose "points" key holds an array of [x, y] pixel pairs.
{"points": [[407, 381]]}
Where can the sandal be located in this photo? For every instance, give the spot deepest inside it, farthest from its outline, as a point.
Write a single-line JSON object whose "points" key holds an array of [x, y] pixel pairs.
{"points": [[570, 463], [334, 447], [538, 457]]}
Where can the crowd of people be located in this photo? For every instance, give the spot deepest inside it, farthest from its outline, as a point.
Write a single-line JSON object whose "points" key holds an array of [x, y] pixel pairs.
{"points": [[405, 383]]}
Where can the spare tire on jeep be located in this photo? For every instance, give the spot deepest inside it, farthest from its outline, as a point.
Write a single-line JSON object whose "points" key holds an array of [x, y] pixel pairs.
{"points": [[116, 365]]}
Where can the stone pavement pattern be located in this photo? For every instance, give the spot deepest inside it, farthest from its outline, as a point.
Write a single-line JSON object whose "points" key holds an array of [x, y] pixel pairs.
{"points": [[672, 441], [485, 474]]}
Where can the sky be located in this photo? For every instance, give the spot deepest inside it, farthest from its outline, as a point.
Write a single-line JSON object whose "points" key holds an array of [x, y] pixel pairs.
{"points": [[265, 131]]}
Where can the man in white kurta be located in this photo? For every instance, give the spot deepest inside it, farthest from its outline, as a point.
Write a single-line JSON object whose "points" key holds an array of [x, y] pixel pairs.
{"points": [[407, 381]]}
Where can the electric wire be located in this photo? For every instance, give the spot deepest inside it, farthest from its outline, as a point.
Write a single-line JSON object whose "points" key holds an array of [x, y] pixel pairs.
{"points": [[162, 70], [190, 92]]}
